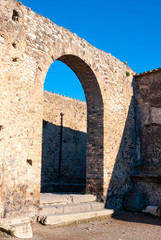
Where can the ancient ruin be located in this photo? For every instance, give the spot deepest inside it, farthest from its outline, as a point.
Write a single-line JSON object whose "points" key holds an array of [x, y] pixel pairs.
{"points": [[115, 138], [147, 175]]}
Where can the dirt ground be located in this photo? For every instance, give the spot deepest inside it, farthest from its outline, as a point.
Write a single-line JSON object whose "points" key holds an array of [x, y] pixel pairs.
{"points": [[122, 226]]}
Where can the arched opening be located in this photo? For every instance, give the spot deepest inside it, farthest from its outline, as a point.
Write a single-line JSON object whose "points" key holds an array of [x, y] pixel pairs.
{"points": [[92, 178], [64, 132], [60, 79]]}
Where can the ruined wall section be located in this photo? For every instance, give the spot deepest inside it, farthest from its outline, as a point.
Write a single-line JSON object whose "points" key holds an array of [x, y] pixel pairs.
{"points": [[21, 126], [148, 95], [73, 161], [27, 52], [148, 98], [115, 80]]}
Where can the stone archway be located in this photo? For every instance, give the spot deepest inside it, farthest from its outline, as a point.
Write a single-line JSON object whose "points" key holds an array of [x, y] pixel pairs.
{"points": [[30, 43], [94, 146]]}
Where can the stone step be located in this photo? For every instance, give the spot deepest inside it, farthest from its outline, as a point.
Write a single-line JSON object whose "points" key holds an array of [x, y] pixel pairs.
{"points": [[59, 199], [61, 219], [70, 208], [19, 227]]}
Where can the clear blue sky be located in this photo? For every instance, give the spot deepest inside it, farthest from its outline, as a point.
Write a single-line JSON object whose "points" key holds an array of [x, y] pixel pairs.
{"points": [[129, 30]]}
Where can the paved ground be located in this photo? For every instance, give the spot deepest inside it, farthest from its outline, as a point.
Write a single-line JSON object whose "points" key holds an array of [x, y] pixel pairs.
{"points": [[123, 226]]}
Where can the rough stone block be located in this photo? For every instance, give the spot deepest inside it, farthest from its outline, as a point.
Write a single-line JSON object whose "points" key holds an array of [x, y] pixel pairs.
{"points": [[20, 227], [156, 115]]}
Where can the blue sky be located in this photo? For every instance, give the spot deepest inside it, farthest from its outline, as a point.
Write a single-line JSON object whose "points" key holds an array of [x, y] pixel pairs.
{"points": [[129, 30]]}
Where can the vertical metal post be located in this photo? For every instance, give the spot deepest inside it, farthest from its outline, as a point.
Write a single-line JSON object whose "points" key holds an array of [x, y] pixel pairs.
{"points": [[60, 149]]}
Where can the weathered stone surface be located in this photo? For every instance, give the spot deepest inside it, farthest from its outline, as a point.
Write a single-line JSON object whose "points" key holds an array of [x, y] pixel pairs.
{"points": [[68, 218], [81, 207], [27, 51], [148, 96], [19, 227], [75, 207], [55, 199], [156, 115], [70, 208], [150, 116], [78, 198]]}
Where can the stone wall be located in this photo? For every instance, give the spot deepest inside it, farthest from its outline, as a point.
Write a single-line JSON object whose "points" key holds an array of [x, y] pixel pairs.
{"points": [[149, 106], [73, 161], [29, 44], [148, 95]]}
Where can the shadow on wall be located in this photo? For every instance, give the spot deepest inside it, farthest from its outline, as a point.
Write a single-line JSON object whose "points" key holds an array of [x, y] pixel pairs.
{"points": [[126, 160], [73, 160]]}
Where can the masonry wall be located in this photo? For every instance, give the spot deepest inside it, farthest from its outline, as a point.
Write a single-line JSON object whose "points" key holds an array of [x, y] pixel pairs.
{"points": [[29, 45], [73, 159], [148, 95], [149, 110]]}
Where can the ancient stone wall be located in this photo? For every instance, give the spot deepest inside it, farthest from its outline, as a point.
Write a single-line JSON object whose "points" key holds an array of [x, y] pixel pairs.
{"points": [[29, 44], [148, 95], [73, 159], [149, 110]]}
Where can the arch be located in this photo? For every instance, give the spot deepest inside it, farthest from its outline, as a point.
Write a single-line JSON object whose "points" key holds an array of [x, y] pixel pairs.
{"points": [[59, 72], [111, 134], [94, 145]]}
